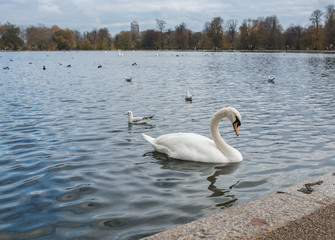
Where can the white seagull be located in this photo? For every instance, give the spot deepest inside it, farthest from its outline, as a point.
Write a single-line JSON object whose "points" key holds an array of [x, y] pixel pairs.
{"points": [[137, 120], [188, 96], [198, 148]]}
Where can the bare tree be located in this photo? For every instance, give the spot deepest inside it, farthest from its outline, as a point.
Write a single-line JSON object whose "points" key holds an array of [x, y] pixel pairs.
{"points": [[330, 26], [293, 36], [161, 26], [231, 31], [274, 32], [315, 18]]}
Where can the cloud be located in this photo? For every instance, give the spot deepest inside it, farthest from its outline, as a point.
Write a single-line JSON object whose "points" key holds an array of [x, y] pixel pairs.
{"points": [[49, 9], [47, 6], [85, 15], [88, 8]]}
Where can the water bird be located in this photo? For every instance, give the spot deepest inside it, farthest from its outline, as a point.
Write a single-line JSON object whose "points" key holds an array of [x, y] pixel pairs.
{"points": [[188, 96], [120, 54], [6, 68], [195, 147], [128, 79], [44, 67], [134, 64], [137, 120], [271, 79], [69, 66], [99, 66]]}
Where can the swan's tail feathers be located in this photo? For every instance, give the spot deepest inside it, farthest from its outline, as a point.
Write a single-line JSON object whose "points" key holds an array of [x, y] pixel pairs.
{"points": [[157, 147], [148, 138]]}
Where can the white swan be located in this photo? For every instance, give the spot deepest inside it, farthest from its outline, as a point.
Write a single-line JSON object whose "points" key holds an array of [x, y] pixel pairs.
{"points": [[137, 120], [194, 147]]}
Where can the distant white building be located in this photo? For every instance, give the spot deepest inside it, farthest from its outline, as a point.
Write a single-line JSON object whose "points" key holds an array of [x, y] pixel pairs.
{"points": [[134, 27]]}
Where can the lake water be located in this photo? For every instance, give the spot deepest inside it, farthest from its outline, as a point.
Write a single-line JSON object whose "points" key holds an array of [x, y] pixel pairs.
{"points": [[72, 167]]}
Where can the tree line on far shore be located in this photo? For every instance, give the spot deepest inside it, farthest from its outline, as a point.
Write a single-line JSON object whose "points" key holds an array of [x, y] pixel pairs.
{"points": [[263, 33]]}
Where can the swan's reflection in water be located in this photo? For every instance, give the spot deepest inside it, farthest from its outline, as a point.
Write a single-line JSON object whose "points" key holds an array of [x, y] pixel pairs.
{"points": [[210, 171]]}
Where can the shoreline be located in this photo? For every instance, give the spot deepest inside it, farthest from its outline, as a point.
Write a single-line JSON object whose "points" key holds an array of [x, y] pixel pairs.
{"points": [[180, 50], [292, 213]]}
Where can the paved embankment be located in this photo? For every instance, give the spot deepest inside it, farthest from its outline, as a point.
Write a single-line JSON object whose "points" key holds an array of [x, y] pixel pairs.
{"points": [[304, 211]]}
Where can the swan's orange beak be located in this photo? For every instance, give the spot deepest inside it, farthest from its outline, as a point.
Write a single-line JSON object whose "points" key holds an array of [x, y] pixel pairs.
{"points": [[236, 124]]}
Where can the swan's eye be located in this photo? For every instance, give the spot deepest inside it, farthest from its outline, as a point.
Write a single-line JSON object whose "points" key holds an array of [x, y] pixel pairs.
{"points": [[237, 121]]}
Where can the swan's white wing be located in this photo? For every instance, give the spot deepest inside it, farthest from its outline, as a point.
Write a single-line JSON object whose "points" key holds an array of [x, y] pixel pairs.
{"points": [[187, 146]]}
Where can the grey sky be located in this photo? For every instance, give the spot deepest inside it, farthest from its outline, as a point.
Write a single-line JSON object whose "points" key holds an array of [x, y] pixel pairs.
{"points": [[116, 15]]}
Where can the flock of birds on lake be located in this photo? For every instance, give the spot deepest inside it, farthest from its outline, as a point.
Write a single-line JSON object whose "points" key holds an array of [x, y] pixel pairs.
{"points": [[190, 146], [188, 96], [195, 147], [45, 68]]}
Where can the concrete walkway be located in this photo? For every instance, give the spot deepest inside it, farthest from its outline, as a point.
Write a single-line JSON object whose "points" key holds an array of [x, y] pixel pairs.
{"points": [[304, 211]]}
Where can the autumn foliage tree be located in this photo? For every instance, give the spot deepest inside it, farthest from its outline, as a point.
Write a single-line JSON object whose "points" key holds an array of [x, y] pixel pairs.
{"points": [[150, 39], [182, 36], [85, 45], [64, 39], [104, 39], [39, 38], [263, 33], [10, 38], [124, 41], [215, 32]]}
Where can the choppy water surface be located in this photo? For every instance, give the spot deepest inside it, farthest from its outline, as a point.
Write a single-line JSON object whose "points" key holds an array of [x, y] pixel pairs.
{"points": [[70, 166]]}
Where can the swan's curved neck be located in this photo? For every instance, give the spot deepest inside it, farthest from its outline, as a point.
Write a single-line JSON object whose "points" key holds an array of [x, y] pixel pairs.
{"points": [[215, 133]]}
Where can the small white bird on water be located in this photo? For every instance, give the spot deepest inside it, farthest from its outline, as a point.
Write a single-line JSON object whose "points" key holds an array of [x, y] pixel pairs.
{"points": [[137, 120], [198, 148], [188, 96]]}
